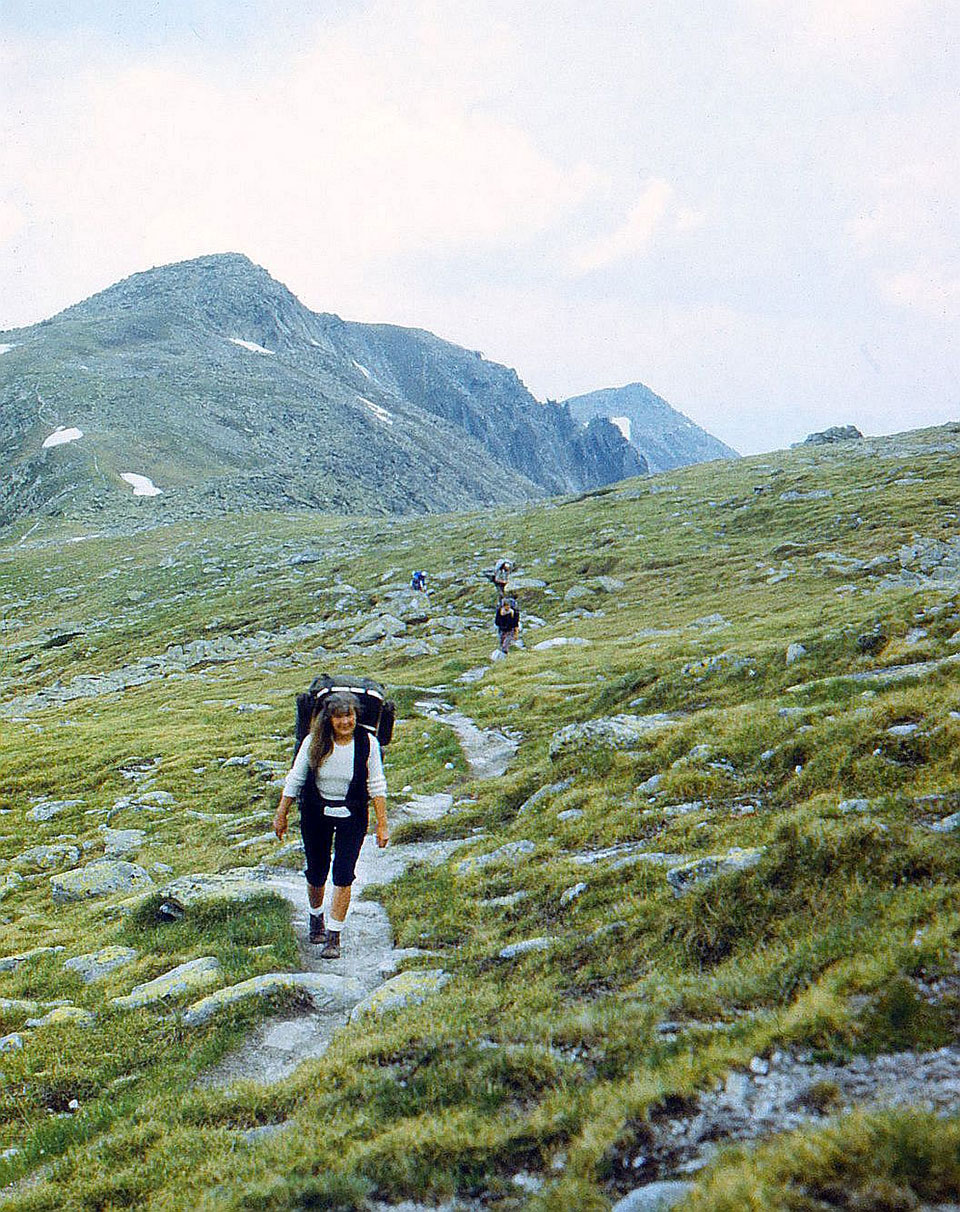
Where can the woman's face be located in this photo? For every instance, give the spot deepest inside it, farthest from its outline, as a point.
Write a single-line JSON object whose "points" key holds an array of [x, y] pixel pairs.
{"points": [[343, 724]]}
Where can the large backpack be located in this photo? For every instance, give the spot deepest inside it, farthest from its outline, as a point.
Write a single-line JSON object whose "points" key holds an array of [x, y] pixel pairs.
{"points": [[375, 712]]}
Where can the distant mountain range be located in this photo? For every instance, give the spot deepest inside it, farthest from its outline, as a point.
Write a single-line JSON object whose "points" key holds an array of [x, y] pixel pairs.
{"points": [[206, 387], [665, 437]]}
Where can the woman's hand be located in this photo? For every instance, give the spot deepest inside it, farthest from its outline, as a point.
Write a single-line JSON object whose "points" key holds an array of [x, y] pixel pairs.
{"points": [[280, 820]]}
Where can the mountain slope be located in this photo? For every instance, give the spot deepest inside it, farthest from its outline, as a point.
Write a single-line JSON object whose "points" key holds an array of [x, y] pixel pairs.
{"points": [[211, 379], [665, 437]]}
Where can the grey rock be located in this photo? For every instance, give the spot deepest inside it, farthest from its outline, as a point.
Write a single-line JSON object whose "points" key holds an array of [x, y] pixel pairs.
{"points": [[12, 1042], [571, 894], [613, 732], [98, 964], [836, 433], [511, 853], [512, 950], [379, 629], [571, 814], [854, 806], [185, 978], [559, 641], [684, 877], [795, 652], [46, 858], [118, 842], [46, 810], [325, 990], [10, 963], [947, 824], [405, 989], [654, 1197], [104, 878], [543, 793]]}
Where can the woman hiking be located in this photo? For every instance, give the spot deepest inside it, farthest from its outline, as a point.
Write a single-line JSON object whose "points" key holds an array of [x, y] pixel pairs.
{"points": [[337, 771]]}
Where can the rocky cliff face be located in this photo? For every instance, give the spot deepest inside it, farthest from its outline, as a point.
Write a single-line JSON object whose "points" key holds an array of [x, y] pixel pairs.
{"points": [[211, 382], [665, 437]]}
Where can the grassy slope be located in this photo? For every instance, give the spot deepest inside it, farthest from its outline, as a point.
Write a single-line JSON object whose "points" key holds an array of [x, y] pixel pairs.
{"points": [[550, 1062]]}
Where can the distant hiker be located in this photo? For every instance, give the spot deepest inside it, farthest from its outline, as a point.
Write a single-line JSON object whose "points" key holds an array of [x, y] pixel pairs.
{"points": [[507, 619], [336, 772], [501, 575], [419, 581]]}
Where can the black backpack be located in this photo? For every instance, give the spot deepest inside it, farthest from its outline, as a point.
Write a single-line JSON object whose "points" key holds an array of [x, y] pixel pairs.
{"points": [[375, 711]]}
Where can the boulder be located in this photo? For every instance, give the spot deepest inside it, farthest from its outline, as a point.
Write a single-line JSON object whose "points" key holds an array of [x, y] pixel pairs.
{"points": [[185, 978], [795, 652], [10, 883], [611, 732], [405, 989], [104, 878], [96, 965], [561, 641], [118, 842], [379, 629], [836, 433], [325, 990]]}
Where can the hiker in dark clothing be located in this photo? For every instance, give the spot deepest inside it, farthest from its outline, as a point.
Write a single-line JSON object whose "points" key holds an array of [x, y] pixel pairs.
{"points": [[507, 620], [336, 773]]}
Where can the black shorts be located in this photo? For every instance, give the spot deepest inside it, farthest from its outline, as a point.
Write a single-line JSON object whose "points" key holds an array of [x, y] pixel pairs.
{"points": [[343, 835]]}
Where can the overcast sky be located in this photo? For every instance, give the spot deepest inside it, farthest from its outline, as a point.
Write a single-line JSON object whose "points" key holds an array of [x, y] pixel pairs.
{"points": [[748, 205]]}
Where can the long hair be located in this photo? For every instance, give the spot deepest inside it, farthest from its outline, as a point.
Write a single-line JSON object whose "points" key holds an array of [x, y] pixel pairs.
{"points": [[340, 702]]}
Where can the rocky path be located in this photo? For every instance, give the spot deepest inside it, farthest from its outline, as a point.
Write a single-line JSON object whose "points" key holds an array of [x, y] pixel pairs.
{"points": [[369, 958]]}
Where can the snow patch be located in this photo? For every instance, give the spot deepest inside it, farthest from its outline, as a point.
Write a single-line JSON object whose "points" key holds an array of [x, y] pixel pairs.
{"points": [[363, 370], [380, 413], [251, 345], [142, 485], [623, 424], [61, 435], [6, 348]]}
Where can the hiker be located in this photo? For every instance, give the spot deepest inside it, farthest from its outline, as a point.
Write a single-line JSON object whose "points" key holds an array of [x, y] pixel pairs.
{"points": [[501, 575], [507, 620], [419, 581], [336, 772]]}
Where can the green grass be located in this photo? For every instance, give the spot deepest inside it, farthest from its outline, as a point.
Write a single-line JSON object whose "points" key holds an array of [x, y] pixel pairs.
{"points": [[549, 1063]]}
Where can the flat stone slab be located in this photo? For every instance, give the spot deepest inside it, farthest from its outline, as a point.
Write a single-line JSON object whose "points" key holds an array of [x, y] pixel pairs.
{"points": [[104, 878], [509, 853], [611, 732], [189, 890], [118, 842], [405, 989], [185, 978], [681, 879], [10, 963], [47, 858], [326, 991], [62, 1015], [96, 965], [512, 950], [46, 810]]}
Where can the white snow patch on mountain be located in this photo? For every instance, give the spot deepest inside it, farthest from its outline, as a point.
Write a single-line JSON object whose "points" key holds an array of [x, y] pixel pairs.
{"points": [[363, 370], [6, 348], [61, 435], [251, 345], [379, 412], [142, 486], [623, 424]]}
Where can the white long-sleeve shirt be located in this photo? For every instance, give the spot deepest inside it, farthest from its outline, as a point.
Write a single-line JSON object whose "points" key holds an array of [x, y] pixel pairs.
{"points": [[333, 777]]}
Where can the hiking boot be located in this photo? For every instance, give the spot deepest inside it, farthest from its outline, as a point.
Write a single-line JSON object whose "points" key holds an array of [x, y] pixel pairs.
{"points": [[318, 931], [331, 948]]}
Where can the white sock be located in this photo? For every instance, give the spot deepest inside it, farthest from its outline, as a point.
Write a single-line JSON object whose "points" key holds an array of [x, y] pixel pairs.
{"points": [[335, 925]]}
